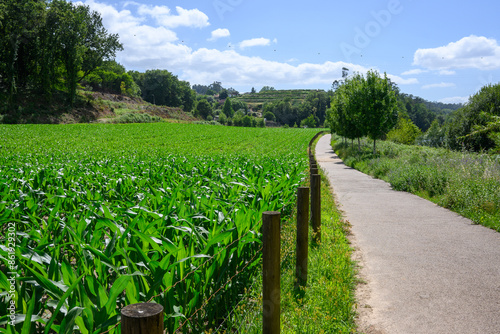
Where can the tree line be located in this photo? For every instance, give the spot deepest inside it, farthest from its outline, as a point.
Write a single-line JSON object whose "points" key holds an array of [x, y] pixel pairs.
{"points": [[310, 112], [364, 107], [474, 126], [372, 106]]}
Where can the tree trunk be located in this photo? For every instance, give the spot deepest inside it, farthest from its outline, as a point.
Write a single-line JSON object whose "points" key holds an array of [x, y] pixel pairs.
{"points": [[374, 146]]}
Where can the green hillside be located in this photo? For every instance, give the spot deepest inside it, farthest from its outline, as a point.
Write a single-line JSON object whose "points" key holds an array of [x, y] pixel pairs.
{"points": [[276, 95]]}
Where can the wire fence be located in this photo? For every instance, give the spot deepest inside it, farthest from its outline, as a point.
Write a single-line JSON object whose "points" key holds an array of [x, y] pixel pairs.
{"points": [[286, 255], [255, 258]]}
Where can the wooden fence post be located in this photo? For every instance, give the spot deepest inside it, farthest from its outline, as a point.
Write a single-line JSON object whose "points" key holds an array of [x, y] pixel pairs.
{"points": [[302, 236], [142, 318], [271, 272], [316, 207]]}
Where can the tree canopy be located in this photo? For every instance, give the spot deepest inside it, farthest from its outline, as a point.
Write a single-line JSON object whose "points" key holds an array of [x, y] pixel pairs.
{"points": [[364, 107], [50, 46], [476, 126]]}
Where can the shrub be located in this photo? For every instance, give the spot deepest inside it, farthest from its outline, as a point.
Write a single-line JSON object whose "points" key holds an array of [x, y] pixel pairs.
{"points": [[137, 118], [405, 132]]}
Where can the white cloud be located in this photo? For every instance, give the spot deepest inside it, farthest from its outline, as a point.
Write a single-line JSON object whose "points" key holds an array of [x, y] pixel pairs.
{"points": [[447, 72], [255, 42], [439, 85], [455, 99], [158, 47], [184, 18], [234, 69], [130, 28], [469, 52], [219, 33], [400, 81], [414, 72]]}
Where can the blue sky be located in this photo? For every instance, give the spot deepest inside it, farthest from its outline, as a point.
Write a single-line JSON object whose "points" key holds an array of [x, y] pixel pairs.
{"points": [[439, 50]]}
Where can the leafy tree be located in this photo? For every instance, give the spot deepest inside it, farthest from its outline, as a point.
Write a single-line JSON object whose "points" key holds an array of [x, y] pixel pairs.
{"points": [[83, 42], [46, 43], [380, 114], [19, 24], [253, 91], [269, 116], [346, 117], [222, 118], [239, 105], [203, 109], [405, 131], [238, 118], [364, 107], [228, 109], [309, 122], [266, 89], [284, 111], [200, 89], [247, 121], [163, 88], [223, 95], [216, 87], [319, 102], [188, 96], [434, 136], [112, 78], [472, 126]]}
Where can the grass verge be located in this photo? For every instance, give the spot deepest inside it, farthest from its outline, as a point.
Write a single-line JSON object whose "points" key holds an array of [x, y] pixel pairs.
{"points": [[464, 182], [327, 304]]}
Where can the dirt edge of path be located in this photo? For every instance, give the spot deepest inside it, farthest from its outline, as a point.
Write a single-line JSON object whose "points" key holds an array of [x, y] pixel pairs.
{"points": [[366, 320]]}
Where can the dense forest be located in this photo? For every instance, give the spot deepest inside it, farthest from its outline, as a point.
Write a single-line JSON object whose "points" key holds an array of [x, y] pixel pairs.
{"points": [[48, 47]]}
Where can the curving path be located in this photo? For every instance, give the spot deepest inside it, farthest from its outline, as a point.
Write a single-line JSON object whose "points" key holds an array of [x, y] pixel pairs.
{"points": [[425, 269]]}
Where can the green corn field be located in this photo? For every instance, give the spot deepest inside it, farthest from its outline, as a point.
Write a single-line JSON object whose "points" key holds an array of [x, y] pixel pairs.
{"points": [[110, 215]]}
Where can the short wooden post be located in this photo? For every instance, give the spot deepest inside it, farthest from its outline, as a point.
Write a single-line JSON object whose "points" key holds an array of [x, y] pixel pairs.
{"points": [[142, 318], [302, 236], [271, 272], [316, 207], [313, 171]]}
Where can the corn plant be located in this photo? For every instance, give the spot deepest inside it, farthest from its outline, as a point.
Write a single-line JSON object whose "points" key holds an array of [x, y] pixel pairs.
{"points": [[111, 215]]}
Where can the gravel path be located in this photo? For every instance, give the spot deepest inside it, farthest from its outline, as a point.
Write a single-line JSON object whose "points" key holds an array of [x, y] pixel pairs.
{"points": [[425, 269]]}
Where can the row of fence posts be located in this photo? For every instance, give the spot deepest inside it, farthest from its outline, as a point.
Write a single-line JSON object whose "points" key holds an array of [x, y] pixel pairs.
{"points": [[147, 318], [272, 242]]}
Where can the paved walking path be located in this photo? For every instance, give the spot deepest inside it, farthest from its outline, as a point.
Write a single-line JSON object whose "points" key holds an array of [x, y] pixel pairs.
{"points": [[426, 269]]}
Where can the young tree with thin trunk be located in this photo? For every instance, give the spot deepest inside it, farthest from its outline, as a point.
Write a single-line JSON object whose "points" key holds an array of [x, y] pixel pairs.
{"points": [[380, 107], [364, 107]]}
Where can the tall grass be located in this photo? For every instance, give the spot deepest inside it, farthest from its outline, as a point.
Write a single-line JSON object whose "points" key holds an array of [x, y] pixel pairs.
{"points": [[467, 183]]}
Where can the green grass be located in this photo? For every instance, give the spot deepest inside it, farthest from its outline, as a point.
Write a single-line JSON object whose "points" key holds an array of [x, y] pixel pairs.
{"points": [[109, 215], [467, 183]]}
